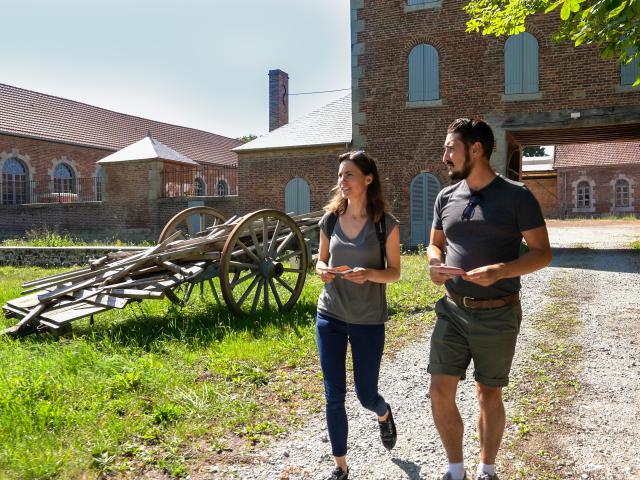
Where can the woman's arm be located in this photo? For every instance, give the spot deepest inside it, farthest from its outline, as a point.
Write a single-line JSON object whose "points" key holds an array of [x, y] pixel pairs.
{"points": [[323, 259], [387, 275]]}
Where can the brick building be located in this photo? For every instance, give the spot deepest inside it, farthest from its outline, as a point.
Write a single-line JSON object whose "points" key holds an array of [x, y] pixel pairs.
{"points": [[49, 148], [293, 168], [598, 179], [415, 69]]}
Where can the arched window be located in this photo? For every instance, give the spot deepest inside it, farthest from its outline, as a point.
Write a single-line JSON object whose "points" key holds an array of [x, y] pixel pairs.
{"points": [[583, 193], [521, 64], [14, 182], [297, 197], [99, 185], [222, 188], [199, 187], [423, 192], [63, 179], [622, 193], [630, 71], [424, 73]]}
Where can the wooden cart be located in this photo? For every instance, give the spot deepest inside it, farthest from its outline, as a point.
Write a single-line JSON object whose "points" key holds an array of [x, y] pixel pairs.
{"points": [[258, 261]]}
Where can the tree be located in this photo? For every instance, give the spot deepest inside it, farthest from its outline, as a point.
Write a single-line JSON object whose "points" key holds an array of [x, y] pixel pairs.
{"points": [[533, 152], [247, 138], [613, 25]]}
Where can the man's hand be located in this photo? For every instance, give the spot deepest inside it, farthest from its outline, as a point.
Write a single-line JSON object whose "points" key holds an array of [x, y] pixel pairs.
{"points": [[485, 276], [438, 277]]}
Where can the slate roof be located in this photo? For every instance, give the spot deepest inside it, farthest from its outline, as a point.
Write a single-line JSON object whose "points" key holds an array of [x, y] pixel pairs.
{"points": [[597, 154], [329, 125], [37, 115], [147, 148]]}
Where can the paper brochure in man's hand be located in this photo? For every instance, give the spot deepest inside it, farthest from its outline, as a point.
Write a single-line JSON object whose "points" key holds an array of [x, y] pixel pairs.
{"points": [[447, 270]]}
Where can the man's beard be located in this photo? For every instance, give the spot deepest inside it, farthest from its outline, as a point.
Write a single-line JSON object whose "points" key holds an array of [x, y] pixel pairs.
{"points": [[466, 168]]}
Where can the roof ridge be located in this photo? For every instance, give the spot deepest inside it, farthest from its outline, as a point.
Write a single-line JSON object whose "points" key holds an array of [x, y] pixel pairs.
{"points": [[77, 102]]}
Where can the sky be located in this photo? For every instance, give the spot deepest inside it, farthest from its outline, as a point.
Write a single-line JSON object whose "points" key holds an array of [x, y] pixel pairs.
{"points": [[195, 63]]}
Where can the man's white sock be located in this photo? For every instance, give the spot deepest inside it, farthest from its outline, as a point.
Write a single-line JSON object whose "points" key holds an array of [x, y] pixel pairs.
{"points": [[488, 469], [457, 471]]}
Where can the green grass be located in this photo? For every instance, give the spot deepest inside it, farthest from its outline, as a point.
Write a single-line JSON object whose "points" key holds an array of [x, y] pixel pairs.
{"points": [[154, 388], [53, 238], [635, 245]]}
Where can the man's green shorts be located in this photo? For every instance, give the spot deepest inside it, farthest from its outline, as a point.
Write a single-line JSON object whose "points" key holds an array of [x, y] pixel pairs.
{"points": [[486, 336]]}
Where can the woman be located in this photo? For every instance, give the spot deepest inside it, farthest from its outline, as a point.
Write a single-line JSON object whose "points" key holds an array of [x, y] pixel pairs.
{"points": [[352, 308]]}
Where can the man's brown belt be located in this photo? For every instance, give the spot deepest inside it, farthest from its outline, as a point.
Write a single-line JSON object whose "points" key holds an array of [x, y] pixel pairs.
{"points": [[483, 304]]}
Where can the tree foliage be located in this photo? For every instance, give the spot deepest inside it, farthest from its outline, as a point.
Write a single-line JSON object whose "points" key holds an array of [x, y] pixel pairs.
{"points": [[533, 151], [613, 25], [247, 138]]}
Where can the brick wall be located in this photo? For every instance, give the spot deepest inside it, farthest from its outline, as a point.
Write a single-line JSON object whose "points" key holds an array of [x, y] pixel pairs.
{"points": [[40, 156], [602, 181], [263, 175], [546, 192], [407, 139]]}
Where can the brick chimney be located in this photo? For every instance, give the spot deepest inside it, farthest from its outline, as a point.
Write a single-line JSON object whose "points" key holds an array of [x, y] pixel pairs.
{"points": [[278, 99]]}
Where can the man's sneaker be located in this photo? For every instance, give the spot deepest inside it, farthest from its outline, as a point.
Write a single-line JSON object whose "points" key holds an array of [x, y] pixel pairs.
{"points": [[388, 433], [486, 476], [338, 474], [447, 476]]}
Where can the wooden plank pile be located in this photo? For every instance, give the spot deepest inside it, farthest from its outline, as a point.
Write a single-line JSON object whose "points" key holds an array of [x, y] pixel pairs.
{"points": [[115, 280]]}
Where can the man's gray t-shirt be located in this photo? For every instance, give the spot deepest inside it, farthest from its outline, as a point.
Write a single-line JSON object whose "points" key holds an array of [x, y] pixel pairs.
{"points": [[492, 235], [348, 301]]}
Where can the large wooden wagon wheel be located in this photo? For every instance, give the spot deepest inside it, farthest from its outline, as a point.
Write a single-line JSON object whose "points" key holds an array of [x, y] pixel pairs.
{"points": [[263, 263], [192, 222]]}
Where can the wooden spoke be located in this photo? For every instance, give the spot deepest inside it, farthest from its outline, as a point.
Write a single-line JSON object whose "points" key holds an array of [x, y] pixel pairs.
{"points": [[284, 284], [247, 292], [292, 270], [275, 293], [248, 251], [256, 298], [241, 265], [212, 286], [274, 239], [254, 237], [240, 280]]}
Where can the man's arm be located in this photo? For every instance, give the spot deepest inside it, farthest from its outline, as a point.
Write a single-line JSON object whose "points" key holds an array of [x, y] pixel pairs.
{"points": [[435, 255], [538, 256]]}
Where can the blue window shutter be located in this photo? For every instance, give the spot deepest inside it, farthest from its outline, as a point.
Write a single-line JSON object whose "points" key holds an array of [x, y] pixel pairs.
{"points": [[424, 190], [529, 63], [297, 197], [629, 72], [432, 74], [418, 213], [416, 74], [433, 187], [513, 65], [424, 75], [521, 64]]}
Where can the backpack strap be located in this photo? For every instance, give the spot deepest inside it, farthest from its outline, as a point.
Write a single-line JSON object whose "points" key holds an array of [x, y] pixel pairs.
{"points": [[381, 229], [331, 223]]}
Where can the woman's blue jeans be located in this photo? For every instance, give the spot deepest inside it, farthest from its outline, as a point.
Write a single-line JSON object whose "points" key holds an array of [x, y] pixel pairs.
{"points": [[367, 345]]}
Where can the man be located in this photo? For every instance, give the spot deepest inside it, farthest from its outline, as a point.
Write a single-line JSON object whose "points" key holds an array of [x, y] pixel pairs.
{"points": [[479, 223]]}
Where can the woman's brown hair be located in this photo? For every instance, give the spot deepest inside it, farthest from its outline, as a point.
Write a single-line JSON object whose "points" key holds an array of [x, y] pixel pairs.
{"points": [[376, 204]]}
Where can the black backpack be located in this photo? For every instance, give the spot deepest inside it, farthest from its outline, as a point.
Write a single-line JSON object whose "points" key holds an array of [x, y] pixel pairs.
{"points": [[381, 228]]}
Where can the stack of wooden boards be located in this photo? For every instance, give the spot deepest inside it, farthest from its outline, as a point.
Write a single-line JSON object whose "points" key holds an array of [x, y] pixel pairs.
{"points": [[117, 279]]}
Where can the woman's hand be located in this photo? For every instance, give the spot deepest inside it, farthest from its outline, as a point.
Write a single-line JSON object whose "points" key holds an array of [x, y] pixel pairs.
{"points": [[359, 275], [325, 276]]}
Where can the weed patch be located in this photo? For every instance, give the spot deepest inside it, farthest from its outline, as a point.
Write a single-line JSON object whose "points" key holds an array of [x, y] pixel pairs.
{"points": [[546, 383]]}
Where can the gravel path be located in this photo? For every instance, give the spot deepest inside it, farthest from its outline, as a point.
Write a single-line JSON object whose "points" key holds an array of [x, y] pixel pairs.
{"points": [[601, 427]]}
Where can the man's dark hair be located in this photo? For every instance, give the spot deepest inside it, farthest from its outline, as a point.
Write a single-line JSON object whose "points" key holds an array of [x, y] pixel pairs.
{"points": [[470, 131]]}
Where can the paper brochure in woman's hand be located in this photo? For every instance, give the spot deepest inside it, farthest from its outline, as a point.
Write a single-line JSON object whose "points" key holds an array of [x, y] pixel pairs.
{"points": [[337, 270], [447, 270]]}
